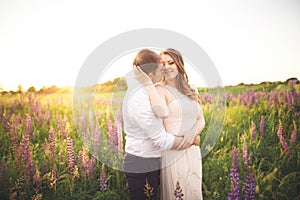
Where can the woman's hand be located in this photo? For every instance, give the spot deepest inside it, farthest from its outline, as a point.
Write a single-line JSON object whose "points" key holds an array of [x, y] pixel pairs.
{"points": [[141, 76]]}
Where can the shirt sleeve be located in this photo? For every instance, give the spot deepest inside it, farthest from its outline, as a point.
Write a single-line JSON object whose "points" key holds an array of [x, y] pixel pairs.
{"points": [[152, 126]]}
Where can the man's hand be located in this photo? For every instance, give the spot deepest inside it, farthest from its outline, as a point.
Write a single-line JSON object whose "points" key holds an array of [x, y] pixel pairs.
{"points": [[181, 144], [197, 140], [189, 137]]}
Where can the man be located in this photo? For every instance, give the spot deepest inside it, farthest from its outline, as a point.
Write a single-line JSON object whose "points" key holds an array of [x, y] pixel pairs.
{"points": [[145, 134]]}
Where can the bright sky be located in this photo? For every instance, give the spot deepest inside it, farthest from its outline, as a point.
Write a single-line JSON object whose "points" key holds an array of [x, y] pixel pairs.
{"points": [[46, 42]]}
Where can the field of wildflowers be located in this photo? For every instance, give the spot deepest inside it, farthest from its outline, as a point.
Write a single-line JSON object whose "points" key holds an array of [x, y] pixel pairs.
{"points": [[43, 156]]}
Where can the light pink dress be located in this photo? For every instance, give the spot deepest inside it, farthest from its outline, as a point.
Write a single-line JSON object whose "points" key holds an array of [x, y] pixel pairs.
{"points": [[183, 166]]}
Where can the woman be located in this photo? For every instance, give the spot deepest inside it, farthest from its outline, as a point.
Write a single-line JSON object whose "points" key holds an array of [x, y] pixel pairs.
{"points": [[183, 103]]}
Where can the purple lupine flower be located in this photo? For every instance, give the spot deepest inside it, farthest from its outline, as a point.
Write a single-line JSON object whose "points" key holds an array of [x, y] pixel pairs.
{"points": [[282, 141], [26, 157], [61, 124], [28, 128], [112, 133], [52, 144], [293, 90], [103, 181], [282, 96], [234, 177], [117, 134], [97, 139], [70, 155], [262, 126], [250, 185], [251, 98], [47, 114], [253, 131], [41, 119], [293, 135], [178, 194], [14, 138], [91, 164], [290, 102]]}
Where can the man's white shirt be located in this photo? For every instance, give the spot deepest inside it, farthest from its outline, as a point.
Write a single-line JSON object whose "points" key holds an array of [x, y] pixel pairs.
{"points": [[145, 134]]}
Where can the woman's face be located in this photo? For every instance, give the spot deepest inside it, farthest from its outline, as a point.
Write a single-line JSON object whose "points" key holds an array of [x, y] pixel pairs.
{"points": [[169, 68]]}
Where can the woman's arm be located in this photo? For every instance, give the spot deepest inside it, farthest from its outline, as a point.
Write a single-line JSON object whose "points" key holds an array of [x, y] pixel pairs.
{"points": [[156, 94]]}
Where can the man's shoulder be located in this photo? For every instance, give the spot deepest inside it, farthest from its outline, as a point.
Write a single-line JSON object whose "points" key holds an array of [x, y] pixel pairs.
{"points": [[137, 97]]}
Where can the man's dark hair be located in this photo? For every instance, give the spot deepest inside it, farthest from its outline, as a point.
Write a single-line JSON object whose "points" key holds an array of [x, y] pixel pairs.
{"points": [[147, 60]]}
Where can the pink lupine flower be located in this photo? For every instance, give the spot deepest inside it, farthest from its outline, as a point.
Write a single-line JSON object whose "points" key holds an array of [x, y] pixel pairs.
{"points": [[28, 128], [293, 90], [290, 102], [252, 131], [117, 133], [26, 156], [14, 141], [91, 165], [70, 155], [262, 126], [103, 181], [282, 141], [52, 144], [275, 97], [294, 134], [97, 139]]}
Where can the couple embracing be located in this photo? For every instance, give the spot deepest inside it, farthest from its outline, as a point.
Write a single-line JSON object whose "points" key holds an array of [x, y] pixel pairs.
{"points": [[162, 121]]}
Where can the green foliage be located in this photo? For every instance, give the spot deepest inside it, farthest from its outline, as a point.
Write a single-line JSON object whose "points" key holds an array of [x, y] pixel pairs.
{"points": [[277, 176], [108, 195]]}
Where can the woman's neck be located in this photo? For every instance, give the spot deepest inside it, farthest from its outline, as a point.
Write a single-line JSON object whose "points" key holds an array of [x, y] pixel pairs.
{"points": [[172, 83]]}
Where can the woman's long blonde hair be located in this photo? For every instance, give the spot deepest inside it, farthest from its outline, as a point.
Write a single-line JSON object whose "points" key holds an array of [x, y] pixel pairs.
{"points": [[182, 78]]}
